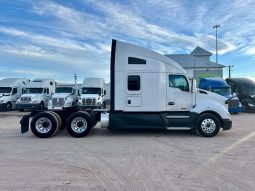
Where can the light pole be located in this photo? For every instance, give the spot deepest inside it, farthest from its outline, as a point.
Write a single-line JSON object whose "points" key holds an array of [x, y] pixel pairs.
{"points": [[216, 27]]}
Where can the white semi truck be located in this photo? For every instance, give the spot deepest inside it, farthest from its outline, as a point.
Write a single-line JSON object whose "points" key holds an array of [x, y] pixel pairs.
{"points": [[92, 93], [148, 90], [65, 96], [37, 94], [10, 91]]}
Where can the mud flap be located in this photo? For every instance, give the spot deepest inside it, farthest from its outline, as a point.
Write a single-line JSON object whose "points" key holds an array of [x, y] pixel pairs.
{"points": [[24, 122]]}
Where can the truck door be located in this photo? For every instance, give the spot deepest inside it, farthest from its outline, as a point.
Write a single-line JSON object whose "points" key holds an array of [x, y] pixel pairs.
{"points": [[179, 96], [133, 91], [15, 95]]}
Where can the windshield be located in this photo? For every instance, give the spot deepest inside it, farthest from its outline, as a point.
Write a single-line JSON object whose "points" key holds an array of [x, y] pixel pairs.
{"points": [[91, 91], [34, 90], [5, 90], [222, 91], [64, 90]]}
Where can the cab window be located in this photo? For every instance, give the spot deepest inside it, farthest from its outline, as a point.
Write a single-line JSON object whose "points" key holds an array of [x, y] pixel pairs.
{"points": [[179, 81], [14, 91]]}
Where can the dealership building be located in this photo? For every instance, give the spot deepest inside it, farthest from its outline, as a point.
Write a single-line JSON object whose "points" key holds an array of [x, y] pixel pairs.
{"points": [[197, 64]]}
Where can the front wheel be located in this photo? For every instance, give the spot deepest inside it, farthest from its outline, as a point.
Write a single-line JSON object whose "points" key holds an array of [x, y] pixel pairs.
{"points": [[8, 106], [208, 125], [79, 124]]}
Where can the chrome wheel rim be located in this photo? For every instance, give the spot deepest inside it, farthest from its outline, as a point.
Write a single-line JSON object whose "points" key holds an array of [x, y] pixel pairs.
{"points": [[43, 125], [208, 126], [79, 125]]}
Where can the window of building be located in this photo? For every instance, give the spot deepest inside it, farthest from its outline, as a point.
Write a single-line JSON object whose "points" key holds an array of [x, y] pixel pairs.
{"points": [[179, 81], [133, 83]]}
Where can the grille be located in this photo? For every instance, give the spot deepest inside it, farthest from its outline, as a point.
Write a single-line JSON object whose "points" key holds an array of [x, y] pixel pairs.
{"points": [[58, 102], [89, 101], [25, 99], [233, 103]]}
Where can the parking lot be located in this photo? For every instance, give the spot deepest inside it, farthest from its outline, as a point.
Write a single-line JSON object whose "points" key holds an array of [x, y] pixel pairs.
{"points": [[154, 160]]}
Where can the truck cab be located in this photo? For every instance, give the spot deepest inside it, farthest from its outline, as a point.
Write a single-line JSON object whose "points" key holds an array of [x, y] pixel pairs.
{"points": [[37, 94], [149, 90], [220, 86], [92, 93], [10, 91], [64, 96], [244, 88]]}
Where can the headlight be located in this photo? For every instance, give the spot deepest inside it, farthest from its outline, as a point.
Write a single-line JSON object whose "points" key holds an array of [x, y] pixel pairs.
{"points": [[35, 101]]}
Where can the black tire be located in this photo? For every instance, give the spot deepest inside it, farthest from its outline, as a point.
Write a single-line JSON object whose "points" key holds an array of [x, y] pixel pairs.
{"points": [[80, 120], [59, 121], [208, 125], [49, 122], [8, 106]]}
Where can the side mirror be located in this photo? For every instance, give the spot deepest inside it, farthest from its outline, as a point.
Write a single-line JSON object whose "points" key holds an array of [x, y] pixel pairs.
{"points": [[193, 85], [104, 92]]}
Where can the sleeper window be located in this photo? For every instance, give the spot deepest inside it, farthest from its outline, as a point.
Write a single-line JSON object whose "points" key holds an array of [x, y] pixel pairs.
{"points": [[133, 83]]}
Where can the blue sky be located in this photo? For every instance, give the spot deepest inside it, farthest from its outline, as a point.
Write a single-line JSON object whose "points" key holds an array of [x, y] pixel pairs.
{"points": [[62, 37]]}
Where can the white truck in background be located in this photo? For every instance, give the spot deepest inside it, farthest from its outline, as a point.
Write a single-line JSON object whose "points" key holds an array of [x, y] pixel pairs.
{"points": [[148, 91], [10, 91], [66, 95], [92, 93], [37, 95]]}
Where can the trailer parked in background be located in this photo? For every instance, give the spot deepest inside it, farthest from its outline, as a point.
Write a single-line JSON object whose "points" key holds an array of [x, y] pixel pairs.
{"points": [[148, 90], [37, 94], [10, 91]]}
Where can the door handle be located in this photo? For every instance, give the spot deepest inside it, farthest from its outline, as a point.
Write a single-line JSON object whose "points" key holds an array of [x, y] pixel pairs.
{"points": [[171, 103]]}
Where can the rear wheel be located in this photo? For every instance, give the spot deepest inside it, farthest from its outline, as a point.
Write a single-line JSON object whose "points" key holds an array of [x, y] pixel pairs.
{"points": [[44, 124], [79, 124], [208, 125]]}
